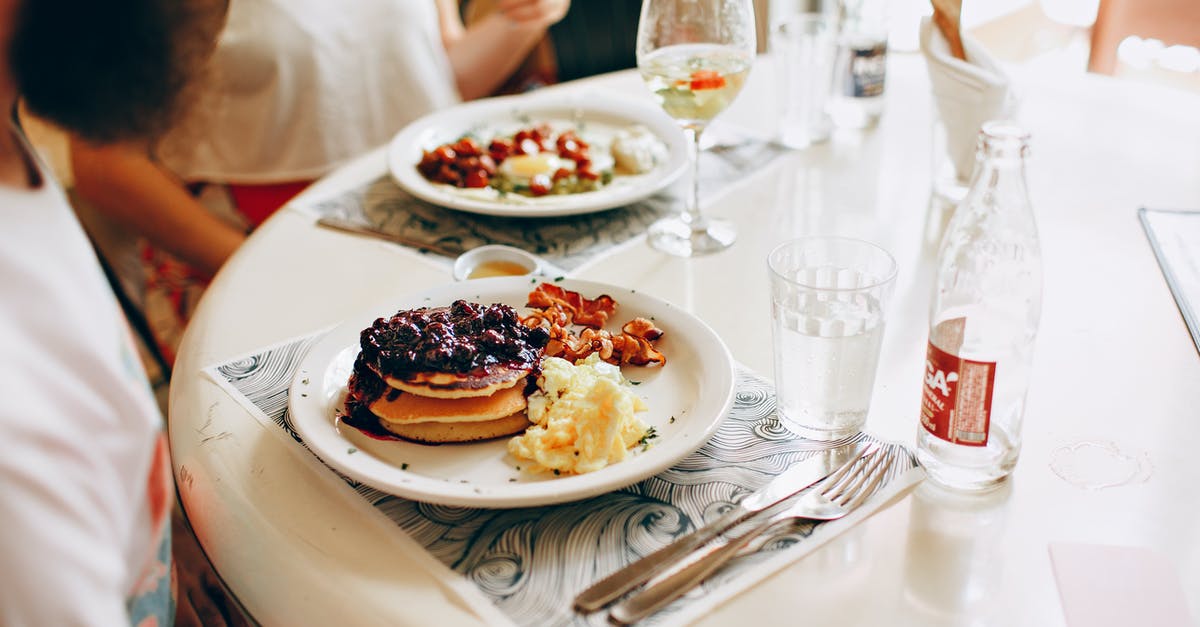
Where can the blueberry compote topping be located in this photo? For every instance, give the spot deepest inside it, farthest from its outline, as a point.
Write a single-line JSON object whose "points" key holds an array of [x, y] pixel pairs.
{"points": [[364, 387], [457, 339]]}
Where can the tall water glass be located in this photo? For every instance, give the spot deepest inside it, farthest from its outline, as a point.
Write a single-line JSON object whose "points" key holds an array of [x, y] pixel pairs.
{"points": [[803, 47], [829, 296], [694, 56]]}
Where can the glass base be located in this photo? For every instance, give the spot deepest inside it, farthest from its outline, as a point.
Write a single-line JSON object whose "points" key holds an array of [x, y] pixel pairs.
{"points": [[855, 113], [679, 237], [818, 434]]}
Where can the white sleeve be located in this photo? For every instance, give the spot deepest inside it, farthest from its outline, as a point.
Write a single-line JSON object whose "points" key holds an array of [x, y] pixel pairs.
{"points": [[63, 500], [79, 430]]}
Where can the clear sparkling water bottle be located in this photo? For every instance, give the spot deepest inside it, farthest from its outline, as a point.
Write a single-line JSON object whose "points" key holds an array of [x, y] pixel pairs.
{"points": [[983, 320], [860, 66]]}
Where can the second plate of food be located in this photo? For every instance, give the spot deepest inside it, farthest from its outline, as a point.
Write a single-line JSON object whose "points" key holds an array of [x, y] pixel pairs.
{"points": [[539, 155], [685, 401]]}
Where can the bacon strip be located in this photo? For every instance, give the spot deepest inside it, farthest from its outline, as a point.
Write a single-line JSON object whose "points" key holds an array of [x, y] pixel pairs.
{"points": [[592, 313]]}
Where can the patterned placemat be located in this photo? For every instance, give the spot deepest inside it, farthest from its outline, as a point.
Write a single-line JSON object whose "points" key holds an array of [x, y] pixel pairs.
{"points": [[530, 562], [569, 241]]}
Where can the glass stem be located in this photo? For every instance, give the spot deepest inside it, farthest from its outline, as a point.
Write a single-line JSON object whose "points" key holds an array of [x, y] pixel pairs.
{"points": [[692, 214]]}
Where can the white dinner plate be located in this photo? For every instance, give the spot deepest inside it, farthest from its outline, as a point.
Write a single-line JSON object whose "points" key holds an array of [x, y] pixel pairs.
{"points": [[686, 399], [595, 116]]}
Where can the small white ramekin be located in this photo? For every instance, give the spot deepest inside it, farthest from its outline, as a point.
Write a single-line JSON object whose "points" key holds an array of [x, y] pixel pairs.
{"points": [[472, 259]]}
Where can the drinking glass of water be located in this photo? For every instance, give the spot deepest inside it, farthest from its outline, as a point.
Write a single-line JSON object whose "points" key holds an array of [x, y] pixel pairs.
{"points": [[829, 296]]}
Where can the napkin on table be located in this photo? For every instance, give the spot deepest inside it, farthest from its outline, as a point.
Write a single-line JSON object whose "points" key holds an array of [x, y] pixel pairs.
{"points": [[966, 93]]}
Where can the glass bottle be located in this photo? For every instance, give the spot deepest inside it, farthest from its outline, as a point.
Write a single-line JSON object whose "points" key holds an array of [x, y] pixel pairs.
{"points": [[984, 317], [860, 66]]}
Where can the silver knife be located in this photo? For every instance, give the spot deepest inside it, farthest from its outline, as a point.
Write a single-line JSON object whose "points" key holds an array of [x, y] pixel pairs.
{"points": [[788, 484]]}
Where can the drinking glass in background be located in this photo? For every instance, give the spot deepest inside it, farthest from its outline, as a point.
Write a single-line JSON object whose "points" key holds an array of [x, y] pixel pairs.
{"points": [[803, 46], [694, 56], [829, 296]]}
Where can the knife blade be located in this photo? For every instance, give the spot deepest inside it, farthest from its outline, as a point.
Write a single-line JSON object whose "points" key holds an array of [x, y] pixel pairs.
{"points": [[796, 478], [346, 226]]}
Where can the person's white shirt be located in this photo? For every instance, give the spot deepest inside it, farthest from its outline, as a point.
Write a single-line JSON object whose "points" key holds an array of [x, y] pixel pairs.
{"points": [[297, 87], [85, 479]]}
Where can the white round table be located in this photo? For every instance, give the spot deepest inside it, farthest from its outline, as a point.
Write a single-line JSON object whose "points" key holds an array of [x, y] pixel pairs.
{"points": [[1114, 365]]}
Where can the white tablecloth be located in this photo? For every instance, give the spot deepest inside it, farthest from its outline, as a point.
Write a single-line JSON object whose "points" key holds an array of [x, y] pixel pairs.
{"points": [[1115, 378]]}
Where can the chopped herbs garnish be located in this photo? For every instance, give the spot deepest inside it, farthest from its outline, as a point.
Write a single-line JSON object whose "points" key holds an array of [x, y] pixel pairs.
{"points": [[672, 420], [556, 472], [404, 466], [635, 383], [559, 278], [651, 433], [351, 451]]}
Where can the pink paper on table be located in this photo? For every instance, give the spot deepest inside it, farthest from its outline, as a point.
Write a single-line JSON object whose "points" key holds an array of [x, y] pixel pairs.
{"points": [[1103, 586]]}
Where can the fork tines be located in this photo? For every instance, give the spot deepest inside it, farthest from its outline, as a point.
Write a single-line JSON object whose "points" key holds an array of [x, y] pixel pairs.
{"points": [[851, 489]]}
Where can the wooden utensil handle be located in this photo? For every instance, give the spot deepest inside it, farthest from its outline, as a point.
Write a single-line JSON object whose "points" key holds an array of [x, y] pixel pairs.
{"points": [[946, 16]]}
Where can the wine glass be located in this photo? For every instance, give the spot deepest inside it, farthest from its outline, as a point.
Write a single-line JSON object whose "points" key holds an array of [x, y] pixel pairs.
{"points": [[694, 56]]}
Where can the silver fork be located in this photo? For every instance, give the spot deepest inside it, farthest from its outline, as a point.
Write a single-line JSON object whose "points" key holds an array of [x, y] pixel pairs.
{"points": [[834, 497]]}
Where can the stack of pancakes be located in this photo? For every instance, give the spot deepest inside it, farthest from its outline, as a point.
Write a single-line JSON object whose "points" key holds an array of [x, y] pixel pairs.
{"points": [[437, 407], [446, 374]]}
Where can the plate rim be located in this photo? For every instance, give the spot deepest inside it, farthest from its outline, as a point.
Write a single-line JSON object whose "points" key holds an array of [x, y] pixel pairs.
{"points": [[404, 173], [322, 440]]}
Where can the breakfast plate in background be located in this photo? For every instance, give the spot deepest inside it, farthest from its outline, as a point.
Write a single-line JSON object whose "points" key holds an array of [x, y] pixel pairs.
{"points": [[686, 401], [595, 117]]}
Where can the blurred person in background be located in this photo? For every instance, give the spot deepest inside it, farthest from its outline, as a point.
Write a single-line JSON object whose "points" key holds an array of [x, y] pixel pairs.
{"points": [[295, 89], [87, 487], [595, 36]]}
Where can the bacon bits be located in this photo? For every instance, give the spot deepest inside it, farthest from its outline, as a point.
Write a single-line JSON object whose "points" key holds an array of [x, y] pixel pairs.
{"points": [[557, 309]]}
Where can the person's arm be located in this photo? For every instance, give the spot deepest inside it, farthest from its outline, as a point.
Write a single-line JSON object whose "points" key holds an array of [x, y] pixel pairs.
{"points": [[485, 54], [126, 186]]}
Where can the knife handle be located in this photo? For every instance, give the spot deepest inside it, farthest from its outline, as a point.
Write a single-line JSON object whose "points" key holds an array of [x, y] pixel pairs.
{"points": [[633, 575], [657, 596]]}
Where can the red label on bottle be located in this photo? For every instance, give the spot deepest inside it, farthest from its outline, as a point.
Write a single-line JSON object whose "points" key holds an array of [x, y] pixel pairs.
{"points": [[956, 402]]}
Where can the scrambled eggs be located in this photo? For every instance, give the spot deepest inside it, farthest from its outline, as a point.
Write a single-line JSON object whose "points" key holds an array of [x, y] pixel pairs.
{"points": [[583, 418]]}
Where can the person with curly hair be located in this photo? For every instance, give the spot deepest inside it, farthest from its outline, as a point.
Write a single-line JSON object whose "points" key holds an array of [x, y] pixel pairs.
{"points": [[87, 486]]}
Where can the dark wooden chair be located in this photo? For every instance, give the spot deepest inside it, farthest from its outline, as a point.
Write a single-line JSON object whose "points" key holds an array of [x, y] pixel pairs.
{"points": [[595, 37]]}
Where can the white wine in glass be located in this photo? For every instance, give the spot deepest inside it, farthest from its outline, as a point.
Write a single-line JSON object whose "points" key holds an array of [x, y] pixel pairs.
{"points": [[694, 56]]}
